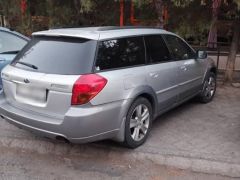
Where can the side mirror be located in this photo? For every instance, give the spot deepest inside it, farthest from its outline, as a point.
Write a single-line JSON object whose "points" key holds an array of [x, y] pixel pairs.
{"points": [[201, 54]]}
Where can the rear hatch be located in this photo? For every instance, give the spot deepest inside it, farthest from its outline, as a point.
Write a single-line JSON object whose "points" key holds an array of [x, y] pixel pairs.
{"points": [[42, 75]]}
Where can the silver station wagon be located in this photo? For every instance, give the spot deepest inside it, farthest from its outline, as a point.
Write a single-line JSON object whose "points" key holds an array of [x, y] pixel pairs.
{"points": [[88, 84]]}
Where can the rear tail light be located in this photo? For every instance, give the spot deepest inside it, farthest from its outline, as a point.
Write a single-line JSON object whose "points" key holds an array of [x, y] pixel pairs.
{"points": [[86, 88]]}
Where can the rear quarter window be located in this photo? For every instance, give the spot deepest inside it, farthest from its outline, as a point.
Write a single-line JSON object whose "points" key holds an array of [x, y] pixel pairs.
{"points": [[67, 56], [119, 53]]}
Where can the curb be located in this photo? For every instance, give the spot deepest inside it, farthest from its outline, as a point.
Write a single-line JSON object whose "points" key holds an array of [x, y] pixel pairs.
{"points": [[195, 165]]}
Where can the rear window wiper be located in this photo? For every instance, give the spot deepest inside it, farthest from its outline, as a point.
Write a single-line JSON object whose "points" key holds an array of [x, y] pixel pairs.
{"points": [[10, 52], [27, 64]]}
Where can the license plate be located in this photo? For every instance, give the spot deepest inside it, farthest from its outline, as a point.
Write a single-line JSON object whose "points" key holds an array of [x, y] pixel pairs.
{"points": [[31, 93]]}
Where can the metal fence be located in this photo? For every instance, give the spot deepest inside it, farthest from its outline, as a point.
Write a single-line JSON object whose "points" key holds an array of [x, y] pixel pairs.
{"points": [[220, 54]]}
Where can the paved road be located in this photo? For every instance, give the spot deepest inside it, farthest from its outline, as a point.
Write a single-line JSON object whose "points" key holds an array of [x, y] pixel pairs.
{"points": [[206, 131], [193, 137], [18, 165]]}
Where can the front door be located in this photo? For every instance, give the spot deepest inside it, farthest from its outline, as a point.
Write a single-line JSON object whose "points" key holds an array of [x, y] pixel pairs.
{"points": [[190, 70]]}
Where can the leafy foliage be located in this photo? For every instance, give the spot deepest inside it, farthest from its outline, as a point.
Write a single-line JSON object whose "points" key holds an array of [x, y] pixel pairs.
{"points": [[191, 22], [188, 18], [182, 3]]}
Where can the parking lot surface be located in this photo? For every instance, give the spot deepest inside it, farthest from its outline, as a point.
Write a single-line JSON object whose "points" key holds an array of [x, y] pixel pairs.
{"points": [[194, 137]]}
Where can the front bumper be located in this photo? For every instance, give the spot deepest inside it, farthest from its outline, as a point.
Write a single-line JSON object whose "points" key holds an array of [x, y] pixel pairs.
{"points": [[80, 124]]}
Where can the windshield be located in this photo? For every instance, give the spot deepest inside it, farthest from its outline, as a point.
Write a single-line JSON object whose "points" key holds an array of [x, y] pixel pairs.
{"points": [[57, 55]]}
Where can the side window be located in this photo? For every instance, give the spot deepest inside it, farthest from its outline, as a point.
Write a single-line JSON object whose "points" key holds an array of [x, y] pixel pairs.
{"points": [[179, 48], [119, 53], [157, 50], [10, 42]]}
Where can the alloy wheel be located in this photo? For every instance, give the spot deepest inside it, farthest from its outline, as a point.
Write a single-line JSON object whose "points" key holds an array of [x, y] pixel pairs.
{"points": [[210, 87], [139, 122]]}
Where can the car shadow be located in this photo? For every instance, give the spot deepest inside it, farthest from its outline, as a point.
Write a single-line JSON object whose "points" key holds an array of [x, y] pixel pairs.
{"points": [[158, 122]]}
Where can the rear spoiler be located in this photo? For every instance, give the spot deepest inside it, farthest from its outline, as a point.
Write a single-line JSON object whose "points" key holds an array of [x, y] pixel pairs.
{"points": [[68, 33]]}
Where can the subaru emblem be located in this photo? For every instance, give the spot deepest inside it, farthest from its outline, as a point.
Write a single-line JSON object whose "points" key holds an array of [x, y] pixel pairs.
{"points": [[26, 81]]}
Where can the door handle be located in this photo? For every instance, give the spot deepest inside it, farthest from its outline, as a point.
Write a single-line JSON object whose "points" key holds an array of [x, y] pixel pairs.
{"points": [[184, 68], [153, 75]]}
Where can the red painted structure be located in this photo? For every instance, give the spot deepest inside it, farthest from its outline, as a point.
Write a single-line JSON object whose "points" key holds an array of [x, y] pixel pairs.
{"points": [[121, 12], [23, 6]]}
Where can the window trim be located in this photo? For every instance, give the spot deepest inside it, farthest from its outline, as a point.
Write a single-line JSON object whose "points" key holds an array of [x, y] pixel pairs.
{"points": [[119, 68]]}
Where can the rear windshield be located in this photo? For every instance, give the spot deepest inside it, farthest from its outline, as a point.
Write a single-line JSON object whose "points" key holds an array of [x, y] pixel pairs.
{"points": [[57, 55]]}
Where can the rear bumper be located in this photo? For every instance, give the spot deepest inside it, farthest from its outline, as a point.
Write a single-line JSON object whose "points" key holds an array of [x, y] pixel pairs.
{"points": [[80, 124]]}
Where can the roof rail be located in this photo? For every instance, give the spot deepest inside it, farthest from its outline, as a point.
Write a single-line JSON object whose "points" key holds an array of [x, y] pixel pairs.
{"points": [[106, 28], [60, 27]]}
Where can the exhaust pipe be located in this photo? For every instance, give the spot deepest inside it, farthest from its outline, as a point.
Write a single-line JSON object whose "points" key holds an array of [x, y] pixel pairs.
{"points": [[58, 138]]}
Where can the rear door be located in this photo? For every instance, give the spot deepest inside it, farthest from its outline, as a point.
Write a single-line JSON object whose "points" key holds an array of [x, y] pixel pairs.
{"points": [[190, 71], [41, 77], [122, 62], [162, 71]]}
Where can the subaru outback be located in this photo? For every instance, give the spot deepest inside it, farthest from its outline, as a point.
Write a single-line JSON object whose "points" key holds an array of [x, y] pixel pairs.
{"points": [[88, 84]]}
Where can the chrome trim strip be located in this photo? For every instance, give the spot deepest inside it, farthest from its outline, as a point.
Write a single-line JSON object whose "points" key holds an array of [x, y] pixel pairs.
{"points": [[18, 82], [189, 81], [167, 89], [181, 84]]}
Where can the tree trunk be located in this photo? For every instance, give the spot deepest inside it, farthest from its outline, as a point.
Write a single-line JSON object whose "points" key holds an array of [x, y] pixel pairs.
{"points": [[212, 36], [78, 6], [232, 54], [159, 8]]}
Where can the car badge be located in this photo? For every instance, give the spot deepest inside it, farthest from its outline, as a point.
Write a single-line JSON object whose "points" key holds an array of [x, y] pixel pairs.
{"points": [[26, 81]]}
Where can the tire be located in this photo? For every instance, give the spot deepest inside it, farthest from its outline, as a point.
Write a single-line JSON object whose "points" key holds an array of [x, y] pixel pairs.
{"points": [[209, 88], [138, 123]]}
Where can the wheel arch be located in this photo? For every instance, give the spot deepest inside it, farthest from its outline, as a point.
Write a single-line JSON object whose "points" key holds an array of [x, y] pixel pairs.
{"points": [[213, 69], [141, 91], [145, 92], [210, 68]]}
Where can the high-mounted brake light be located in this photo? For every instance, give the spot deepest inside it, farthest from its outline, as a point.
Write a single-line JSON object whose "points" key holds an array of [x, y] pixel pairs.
{"points": [[86, 88]]}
